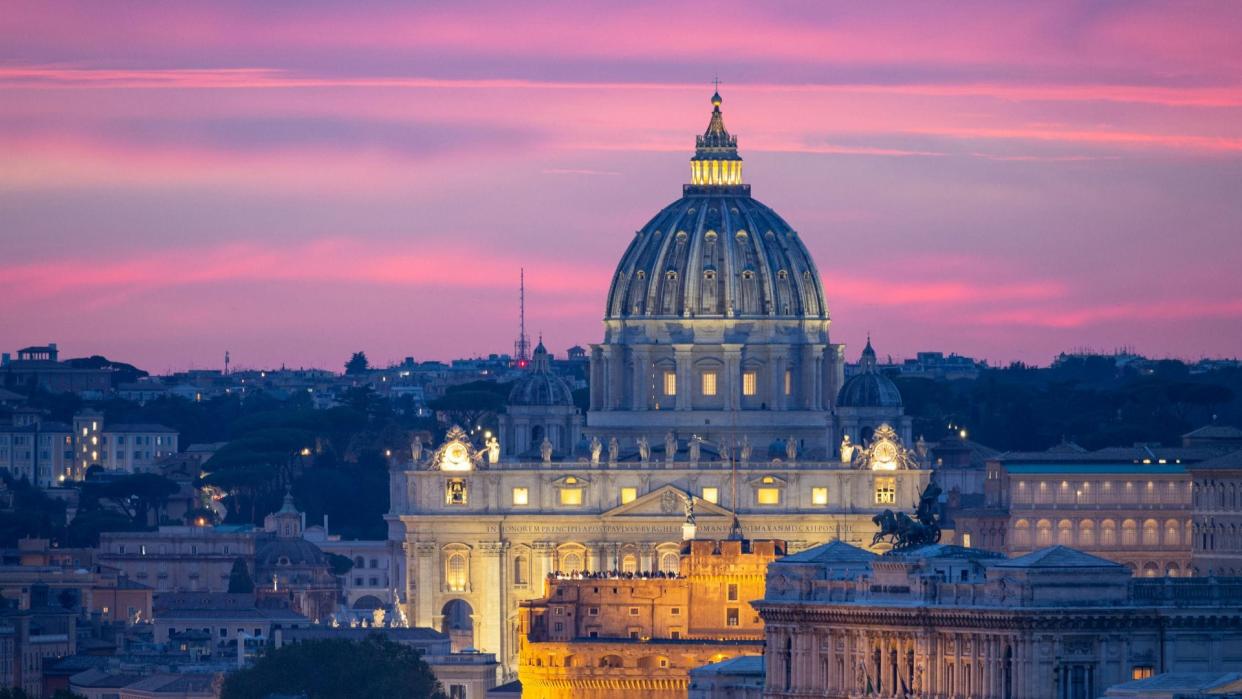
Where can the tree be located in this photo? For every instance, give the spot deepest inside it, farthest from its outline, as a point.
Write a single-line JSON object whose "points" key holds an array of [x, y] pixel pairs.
{"points": [[138, 494], [357, 364], [239, 578], [336, 669]]}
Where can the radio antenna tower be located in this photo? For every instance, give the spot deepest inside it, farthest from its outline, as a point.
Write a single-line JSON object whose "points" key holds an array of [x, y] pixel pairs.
{"points": [[521, 348]]}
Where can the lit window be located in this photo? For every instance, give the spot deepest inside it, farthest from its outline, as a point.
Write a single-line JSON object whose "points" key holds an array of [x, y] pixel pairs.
{"points": [[709, 383], [628, 495], [521, 496], [788, 382], [731, 616], [1141, 672], [966, 540], [670, 383], [455, 573], [731, 592], [769, 496], [711, 495], [571, 496], [819, 496], [886, 491], [750, 383]]}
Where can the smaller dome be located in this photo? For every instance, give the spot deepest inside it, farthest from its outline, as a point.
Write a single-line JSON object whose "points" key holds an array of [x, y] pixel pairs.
{"points": [[288, 552], [869, 388], [541, 387]]}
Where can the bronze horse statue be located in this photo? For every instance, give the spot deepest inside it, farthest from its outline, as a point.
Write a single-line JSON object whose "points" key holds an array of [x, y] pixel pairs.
{"points": [[904, 531]]}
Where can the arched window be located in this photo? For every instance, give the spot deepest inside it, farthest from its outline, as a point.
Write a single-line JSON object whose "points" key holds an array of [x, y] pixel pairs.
{"points": [[1022, 533], [1065, 532], [1129, 533], [1086, 533], [456, 573], [1172, 533], [1043, 533], [670, 562], [571, 563], [629, 563], [1151, 532], [1108, 533]]}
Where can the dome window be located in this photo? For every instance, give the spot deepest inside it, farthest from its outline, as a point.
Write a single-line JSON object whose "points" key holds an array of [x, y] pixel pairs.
{"points": [[709, 275], [710, 236], [641, 275], [769, 235], [748, 274], [671, 275], [742, 235], [782, 275], [681, 236]]}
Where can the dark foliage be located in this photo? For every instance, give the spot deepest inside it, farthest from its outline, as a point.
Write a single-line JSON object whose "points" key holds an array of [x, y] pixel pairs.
{"points": [[336, 669], [239, 578], [357, 364]]}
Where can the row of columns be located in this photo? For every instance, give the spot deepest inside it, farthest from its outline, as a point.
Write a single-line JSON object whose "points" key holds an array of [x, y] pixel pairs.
{"points": [[854, 662], [609, 382]]}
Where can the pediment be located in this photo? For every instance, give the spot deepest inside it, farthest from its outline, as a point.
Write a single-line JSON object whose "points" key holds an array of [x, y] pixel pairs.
{"points": [[667, 501]]}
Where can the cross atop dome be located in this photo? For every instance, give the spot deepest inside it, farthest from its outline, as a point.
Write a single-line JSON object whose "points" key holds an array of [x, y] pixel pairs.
{"points": [[716, 164]]}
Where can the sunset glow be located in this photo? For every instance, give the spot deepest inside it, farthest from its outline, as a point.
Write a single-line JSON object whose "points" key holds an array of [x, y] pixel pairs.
{"points": [[295, 182]]}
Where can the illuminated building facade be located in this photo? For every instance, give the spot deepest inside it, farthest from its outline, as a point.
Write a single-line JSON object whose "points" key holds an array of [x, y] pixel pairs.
{"points": [[607, 636], [946, 621], [1133, 505], [715, 384]]}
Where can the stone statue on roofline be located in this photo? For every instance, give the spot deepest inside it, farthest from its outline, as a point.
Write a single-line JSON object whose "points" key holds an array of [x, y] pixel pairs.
{"points": [[670, 447], [695, 448], [614, 451], [644, 449], [545, 450], [596, 448]]}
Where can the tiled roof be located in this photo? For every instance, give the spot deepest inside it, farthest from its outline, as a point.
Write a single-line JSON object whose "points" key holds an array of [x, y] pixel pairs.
{"points": [[1057, 557], [1216, 432], [833, 551], [1229, 462]]}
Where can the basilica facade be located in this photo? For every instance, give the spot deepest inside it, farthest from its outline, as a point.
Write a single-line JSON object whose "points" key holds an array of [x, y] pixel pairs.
{"points": [[717, 400]]}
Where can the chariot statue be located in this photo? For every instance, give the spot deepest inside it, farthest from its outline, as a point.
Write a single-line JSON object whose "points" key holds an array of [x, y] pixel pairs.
{"points": [[906, 532]]}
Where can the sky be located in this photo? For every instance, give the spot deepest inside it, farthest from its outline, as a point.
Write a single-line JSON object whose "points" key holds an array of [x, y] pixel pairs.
{"points": [[295, 181]]}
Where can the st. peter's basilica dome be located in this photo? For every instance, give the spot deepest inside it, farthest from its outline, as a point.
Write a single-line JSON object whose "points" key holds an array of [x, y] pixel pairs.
{"points": [[725, 255]]}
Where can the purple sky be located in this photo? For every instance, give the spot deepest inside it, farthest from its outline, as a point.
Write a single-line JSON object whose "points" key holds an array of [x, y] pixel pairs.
{"points": [[295, 181]]}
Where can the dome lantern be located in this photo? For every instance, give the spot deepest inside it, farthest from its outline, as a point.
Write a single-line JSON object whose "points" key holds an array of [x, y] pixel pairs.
{"points": [[716, 164]]}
